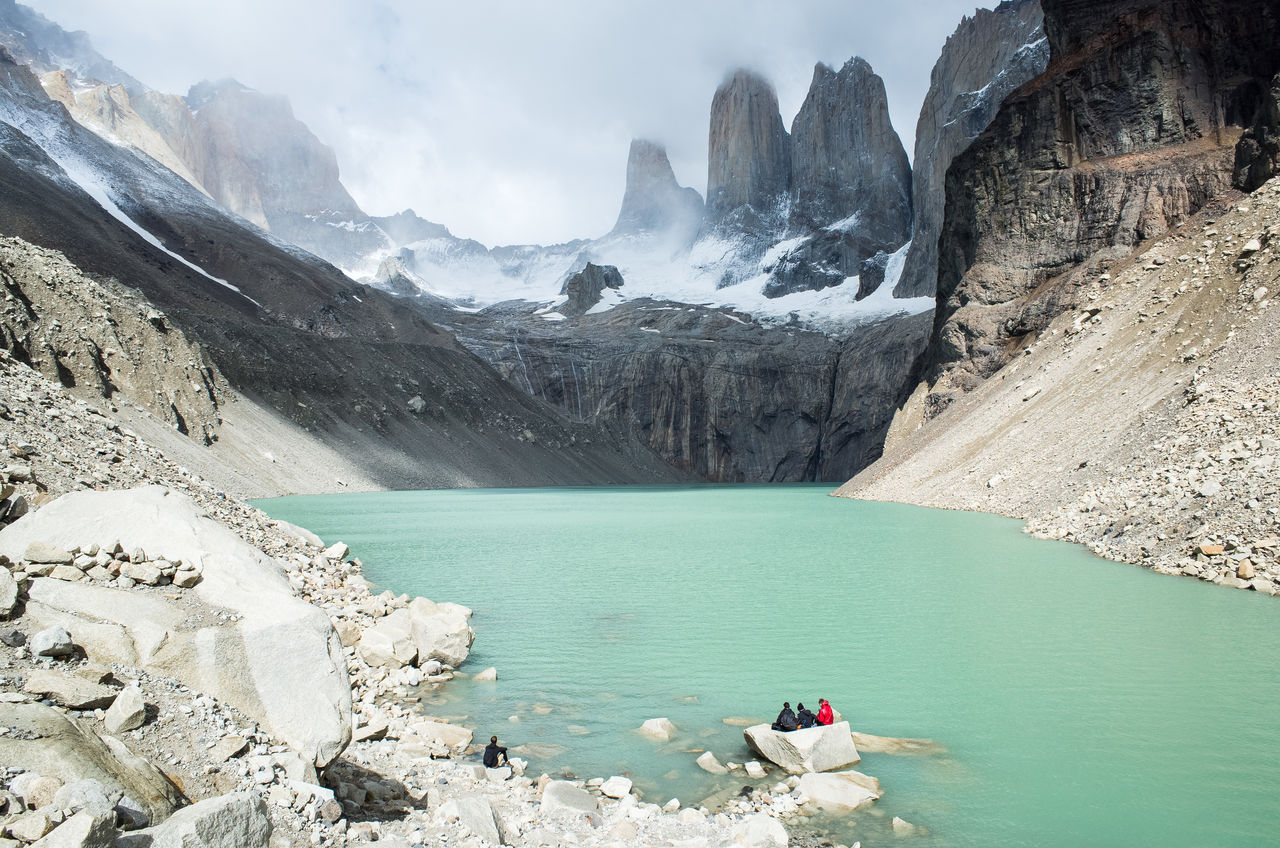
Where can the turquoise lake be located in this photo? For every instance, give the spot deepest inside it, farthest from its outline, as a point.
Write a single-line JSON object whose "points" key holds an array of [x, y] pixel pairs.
{"points": [[1080, 702]]}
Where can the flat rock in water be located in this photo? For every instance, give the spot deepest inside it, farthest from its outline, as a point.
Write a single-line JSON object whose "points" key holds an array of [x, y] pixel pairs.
{"points": [[73, 692], [822, 748], [841, 791], [869, 744], [658, 728], [708, 763]]}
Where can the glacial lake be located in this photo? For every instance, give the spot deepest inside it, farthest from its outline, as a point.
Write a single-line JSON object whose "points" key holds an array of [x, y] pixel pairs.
{"points": [[1080, 702]]}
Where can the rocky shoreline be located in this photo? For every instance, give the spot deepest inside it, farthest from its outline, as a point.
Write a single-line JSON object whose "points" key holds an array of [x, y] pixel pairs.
{"points": [[1144, 425], [205, 653]]}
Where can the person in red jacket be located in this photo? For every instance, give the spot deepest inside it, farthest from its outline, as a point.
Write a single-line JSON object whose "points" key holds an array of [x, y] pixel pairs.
{"points": [[825, 713]]}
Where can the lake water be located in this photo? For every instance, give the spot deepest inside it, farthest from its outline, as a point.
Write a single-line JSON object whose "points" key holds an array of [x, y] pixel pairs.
{"points": [[1080, 702]]}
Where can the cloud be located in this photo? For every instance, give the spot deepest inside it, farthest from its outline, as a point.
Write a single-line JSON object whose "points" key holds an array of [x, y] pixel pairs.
{"points": [[509, 121]]}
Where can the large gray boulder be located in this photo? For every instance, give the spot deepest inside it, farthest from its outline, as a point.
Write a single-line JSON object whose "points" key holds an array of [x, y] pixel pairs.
{"points": [[240, 635], [46, 742], [441, 632], [800, 751], [8, 592], [83, 830], [239, 820]]}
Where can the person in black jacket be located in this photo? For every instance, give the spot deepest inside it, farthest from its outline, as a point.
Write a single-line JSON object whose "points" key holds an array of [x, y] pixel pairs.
{"points": [[806, 718], [786, 720], [492, 752]]}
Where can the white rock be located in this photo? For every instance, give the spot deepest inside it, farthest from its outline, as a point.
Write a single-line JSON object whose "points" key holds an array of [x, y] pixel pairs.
{"points": [[337, 552], [489, 673], [127, 712], [839, 791], [760, 831], [754, 769], [441, 632], [451, 736], [279, 661], [239, 820], [902, 827], [83, 830], [658, 728], [616, 787], [52, 642], [476, 815], [390, 642], [302, 534], [561, 796], [708, 762], [690, 817], [8, 592], [822, 748]]}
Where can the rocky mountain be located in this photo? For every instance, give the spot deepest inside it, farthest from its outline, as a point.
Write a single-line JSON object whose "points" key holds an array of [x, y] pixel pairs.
{"points": [[654, 203], [851, 186], [37, 42], [1134, 126], [989, 55], [291, 336], [749, 151]]}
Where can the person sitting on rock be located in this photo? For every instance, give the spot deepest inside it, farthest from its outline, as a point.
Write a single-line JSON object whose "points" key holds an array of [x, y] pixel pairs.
{"points": [[786, 720], [825, 714], [494, 754], [804, 717]]}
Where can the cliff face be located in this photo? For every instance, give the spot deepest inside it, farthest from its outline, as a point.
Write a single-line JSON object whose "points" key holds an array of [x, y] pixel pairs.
{"points": [[720, 398], [34, 40], [846, 158], [749, 158], [1133, 127], [988, 56], [654, 203]]}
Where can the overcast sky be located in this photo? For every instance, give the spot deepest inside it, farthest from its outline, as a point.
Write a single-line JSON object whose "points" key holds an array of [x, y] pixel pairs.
{"points": [[509, 121]]}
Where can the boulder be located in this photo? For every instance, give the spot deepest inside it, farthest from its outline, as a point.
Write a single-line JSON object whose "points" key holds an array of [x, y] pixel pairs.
{"points": [[489, 674], [841, 791], [337, 552], [30, 827], [476, 815], [46, 742], [228, 747], [823, 748], [88, 795], [902, 827], [760, 831], [451, 736], [867, 743], [754, 770], [35, 790], [239, 820], [708, 762], [41, 552], [52, 642], [127, 712], [659, 728], [441, 632], [561, 796], [275, 658], [616, 787], [73, 692], [83, 830], [390, 642], [8, 592], [302, 534]]}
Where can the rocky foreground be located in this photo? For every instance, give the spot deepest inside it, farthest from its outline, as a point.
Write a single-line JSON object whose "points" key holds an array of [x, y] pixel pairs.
{"points": [[178, 669]]}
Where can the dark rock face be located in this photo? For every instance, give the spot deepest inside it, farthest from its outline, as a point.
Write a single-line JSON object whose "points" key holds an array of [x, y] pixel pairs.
{"points": [[749, 159], [654, 203], [715, 397], [988, 56], [846, 158], [1133, 127], [1258, 153], [585, 287]]}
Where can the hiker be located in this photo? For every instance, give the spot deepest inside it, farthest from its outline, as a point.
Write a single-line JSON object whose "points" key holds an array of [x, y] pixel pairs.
{"points": [[806, 718], [825, 714], [786, 720], [492, 752]]}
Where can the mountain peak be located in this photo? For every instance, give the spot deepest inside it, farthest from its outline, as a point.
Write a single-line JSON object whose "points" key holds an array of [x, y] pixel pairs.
{"points": [[654, 201], [749, 160]]}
